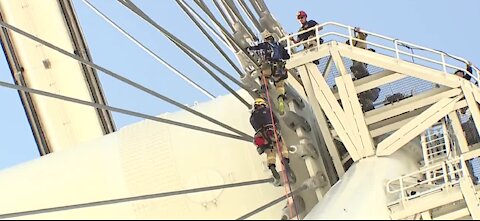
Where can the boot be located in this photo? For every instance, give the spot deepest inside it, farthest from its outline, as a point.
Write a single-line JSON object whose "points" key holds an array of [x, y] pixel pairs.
{"points": [[291, 176], [275, 174]]}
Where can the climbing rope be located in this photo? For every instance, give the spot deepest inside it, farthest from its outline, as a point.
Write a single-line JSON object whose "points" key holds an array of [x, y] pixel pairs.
{"points": [[134, 198], [288, 188]]}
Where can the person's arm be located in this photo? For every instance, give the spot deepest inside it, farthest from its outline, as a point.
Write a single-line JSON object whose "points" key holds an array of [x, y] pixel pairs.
{"points": [[362, 36], [260, 46], [313, 23], [294, 40], [251, 121]]}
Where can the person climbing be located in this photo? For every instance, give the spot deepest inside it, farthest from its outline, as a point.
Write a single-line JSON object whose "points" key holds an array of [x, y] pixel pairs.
{"points": [[265, 140], [307, 24], [273, 56], [359, 71]]}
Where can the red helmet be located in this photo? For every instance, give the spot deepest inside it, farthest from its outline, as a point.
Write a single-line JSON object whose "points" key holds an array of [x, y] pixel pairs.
{"points": [[301, 14]]}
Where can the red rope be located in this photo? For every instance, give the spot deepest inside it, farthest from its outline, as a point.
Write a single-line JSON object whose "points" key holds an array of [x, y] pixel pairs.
{"points": [[286, 182]]}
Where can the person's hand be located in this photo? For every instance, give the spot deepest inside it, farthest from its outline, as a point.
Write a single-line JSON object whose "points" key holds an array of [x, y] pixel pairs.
{"points": [[248, 48], [260, 150]]}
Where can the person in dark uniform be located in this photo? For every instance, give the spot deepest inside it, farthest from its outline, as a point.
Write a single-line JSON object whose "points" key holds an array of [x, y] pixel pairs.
{"points": [[265, 140]]}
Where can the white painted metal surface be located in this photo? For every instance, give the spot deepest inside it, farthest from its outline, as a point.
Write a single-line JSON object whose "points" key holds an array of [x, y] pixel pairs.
{"points": [[149, 157], [360, 194], [146, 158], [66, 124]]}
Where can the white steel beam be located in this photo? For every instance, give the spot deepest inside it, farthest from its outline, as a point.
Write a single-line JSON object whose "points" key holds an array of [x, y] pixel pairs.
{"points": [[416, 126], [322, 124], [471, 154], [350, 102], [476, 91], [390, 127], [409, 104], [391, 124], [375, 80], [458, 131], [330, 106], [470, 193], [454, 215], [472, 103], [351, 130], [398, 66], [342, 125], [337, 59], [426, 203], [307, 56]]}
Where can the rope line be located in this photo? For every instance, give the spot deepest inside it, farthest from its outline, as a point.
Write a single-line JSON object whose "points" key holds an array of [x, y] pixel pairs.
{"points": [[125, 80], [119, 110], [287, 187], [187, 11], [148, 51], [188, 50], [131, 199], [273, 202]]}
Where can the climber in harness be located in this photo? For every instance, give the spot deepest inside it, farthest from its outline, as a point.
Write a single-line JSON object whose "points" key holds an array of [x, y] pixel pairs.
{"points": [[273, 56], [265, 140]]}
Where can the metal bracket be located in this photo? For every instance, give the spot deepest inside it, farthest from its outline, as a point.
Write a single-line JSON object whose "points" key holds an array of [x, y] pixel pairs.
{"points": [[293, 121]]}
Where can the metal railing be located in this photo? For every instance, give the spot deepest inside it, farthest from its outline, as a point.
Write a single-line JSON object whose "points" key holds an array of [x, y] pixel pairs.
{"points": [[429, 180], [436, 144], [393, 46]]}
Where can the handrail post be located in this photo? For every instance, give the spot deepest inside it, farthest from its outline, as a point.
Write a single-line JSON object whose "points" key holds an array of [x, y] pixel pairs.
{"points": [[317, 38], [289, 45], [402, 192], [443, 62], [445, 175], [396, 48], [350, 35]]}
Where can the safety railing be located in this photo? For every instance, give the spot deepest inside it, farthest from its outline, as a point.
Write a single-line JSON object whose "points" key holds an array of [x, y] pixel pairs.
{"points": [[429, 180], [392, 45], [436, 144]]}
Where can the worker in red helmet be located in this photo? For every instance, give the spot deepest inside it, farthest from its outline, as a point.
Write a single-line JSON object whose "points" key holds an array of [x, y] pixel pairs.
{"points": [[306, 24]]}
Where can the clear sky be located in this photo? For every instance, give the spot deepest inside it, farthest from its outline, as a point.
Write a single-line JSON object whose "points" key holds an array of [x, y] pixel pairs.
{"points": [[451, 26]]}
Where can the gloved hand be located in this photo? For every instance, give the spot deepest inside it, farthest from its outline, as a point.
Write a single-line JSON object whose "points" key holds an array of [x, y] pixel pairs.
{"points": [[260, 150], [248, 48]]}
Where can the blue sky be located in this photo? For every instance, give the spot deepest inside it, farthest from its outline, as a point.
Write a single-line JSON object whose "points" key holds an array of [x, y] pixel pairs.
{"points": [[451, 26]]}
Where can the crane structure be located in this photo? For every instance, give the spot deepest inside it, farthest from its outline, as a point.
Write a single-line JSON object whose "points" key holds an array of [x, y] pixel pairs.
{"points": [[376, 132]]}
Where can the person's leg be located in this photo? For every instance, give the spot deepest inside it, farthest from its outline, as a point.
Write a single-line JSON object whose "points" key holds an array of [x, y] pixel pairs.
{"points": [[266, 70], [280, 87], [271, 157], [286, 162]]}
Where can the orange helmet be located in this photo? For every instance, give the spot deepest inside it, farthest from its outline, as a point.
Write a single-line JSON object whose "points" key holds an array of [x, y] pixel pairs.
{"points": [[301, 14]]}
